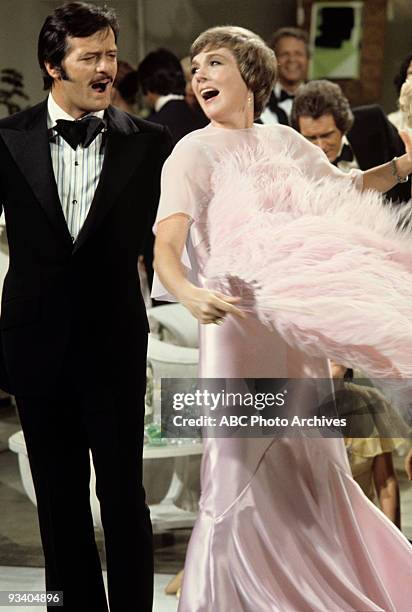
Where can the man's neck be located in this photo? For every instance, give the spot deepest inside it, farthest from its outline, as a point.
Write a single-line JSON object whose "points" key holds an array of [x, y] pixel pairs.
{"points": [[56, 111], [289, 87], [61, 103]]}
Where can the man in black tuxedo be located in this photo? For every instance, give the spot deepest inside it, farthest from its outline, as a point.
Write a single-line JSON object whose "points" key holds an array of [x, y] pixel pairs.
{"points": [[78, 182], [351, 138]]}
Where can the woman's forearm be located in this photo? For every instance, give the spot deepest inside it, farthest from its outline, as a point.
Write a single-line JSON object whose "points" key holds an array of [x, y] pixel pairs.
{"points": [[381, 178], [171, 272], [206, 306]]}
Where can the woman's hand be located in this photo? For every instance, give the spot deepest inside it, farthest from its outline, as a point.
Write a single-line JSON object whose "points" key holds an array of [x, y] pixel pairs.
{"points": [[381, 178], [206, 306], [210, 306], [407, 141]]}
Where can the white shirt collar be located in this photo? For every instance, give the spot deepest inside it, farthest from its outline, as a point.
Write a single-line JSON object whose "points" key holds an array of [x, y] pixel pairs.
{"points": [[344, 142], [55, 112], [277, 89], [345, 166], [162, 100]]}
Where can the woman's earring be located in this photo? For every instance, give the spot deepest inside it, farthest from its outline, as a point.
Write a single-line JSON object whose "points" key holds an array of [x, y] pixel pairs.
{"points": [[249, 100]]}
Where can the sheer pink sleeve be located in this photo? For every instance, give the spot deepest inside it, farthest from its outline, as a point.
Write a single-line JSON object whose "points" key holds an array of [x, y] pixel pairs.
{"points": [[313, 161], [184, 189], [184, 182]]}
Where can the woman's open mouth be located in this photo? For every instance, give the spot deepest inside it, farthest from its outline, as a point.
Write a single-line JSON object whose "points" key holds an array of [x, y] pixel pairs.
{"points": [[209, 93]]}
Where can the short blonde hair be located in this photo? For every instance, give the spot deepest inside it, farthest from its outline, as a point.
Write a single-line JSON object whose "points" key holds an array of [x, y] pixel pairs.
{"points": [[405, 101], [256, 61]]}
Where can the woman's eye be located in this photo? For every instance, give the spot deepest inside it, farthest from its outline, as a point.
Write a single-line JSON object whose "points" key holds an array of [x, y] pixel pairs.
{"points": [[213, 62], [193, 70]]}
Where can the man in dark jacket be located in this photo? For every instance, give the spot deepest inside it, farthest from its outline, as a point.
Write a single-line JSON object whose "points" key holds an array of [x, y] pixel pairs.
{"points": [[78, 179], [351, 138], [163, 84]]}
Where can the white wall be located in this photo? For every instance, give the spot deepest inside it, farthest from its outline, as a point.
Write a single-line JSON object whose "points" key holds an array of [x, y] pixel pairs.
{"points": [[169, 23], [174, 24]]}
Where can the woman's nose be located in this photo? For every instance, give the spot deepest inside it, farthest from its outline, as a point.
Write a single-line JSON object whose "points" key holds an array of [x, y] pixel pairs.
{"points": [[200, 74]]}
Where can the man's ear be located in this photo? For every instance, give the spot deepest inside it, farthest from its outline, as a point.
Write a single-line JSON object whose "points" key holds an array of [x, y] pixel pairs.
{"points": [[54, 71]]}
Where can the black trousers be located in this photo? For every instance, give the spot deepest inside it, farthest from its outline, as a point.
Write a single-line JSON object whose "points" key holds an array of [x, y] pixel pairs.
{"points": [[59, 431]]}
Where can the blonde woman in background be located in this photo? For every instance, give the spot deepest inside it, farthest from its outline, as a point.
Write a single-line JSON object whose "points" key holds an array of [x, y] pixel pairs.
{"points": [[405, 71]]}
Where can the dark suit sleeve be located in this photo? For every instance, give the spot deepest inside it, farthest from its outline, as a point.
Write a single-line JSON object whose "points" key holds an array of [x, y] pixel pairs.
{"points": [[2, 194], [165, 148]]}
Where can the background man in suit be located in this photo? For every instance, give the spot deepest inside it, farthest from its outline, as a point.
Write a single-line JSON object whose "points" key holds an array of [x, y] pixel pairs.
{"points": [[291, 47], [163, 83], [77, 181], [358, 138]]}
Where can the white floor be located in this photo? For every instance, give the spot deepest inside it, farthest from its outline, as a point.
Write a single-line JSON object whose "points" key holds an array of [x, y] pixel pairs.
{"points": [[31, 579]]}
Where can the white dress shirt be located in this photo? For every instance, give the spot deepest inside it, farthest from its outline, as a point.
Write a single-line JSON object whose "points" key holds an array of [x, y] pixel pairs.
{"points": [[346, 166], [77, 172], [267, 116]]}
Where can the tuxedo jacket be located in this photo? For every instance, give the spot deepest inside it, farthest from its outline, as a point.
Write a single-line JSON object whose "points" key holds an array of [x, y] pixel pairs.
{"points": [[374, 141], [74, 309], [180, 118]]}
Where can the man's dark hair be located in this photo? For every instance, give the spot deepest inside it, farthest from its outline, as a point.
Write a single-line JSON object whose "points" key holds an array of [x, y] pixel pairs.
{"points": [[290, 33], [400, 77], [76, 19], [318, 98], [161, 72]]}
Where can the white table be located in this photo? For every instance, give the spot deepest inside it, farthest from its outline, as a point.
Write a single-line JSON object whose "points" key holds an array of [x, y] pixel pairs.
{"points": [[165, 515]]}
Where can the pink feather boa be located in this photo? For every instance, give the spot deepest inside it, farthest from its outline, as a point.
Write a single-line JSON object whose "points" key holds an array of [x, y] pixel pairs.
{"points": [[328, 266]]}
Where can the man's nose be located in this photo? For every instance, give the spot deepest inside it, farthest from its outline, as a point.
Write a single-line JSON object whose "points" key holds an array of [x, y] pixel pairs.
{"points": [[104, 65], [321, 142]]}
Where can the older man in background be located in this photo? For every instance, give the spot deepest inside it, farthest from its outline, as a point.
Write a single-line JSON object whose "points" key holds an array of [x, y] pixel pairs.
{"points": [[292, 52]]}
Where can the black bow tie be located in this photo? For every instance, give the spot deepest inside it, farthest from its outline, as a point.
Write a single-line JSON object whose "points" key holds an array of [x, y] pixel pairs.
{"points": [[83, 131], [345, 155], [284, 95]]}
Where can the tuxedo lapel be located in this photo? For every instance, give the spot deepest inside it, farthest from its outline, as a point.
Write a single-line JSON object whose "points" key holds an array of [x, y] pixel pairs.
{"points": [[125, 149], [29, 146], [364, 156]]}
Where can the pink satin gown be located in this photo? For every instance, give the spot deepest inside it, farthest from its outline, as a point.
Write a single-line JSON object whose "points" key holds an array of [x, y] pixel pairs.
{"points": [[282, 525]]}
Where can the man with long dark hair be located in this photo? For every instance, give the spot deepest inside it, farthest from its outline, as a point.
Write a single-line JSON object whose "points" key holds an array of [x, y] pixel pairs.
{"points": [[79, 181]]}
